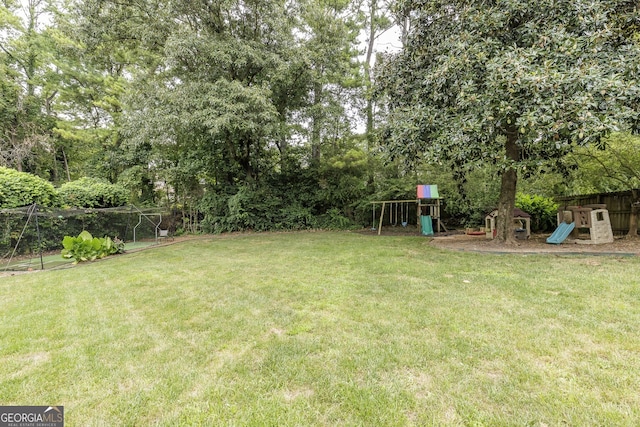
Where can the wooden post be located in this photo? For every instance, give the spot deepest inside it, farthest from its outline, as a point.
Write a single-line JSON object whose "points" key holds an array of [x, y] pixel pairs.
{"points": [[381, 218]]}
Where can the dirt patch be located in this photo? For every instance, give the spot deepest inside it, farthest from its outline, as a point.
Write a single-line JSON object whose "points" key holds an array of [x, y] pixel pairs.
{"points": [[535, 244]]}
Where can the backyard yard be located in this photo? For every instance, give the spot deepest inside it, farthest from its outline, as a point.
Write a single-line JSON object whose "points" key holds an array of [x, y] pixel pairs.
{"points": [[326, 328]]}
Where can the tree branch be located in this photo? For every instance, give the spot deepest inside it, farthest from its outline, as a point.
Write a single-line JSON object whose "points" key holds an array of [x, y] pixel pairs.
{"points": [[22, 64]]}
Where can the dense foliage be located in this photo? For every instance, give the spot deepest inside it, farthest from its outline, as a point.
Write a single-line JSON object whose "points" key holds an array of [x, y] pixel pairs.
{"points": [[543, 211], [19, 189], [264, 115], [614, 168], [92, 193]]}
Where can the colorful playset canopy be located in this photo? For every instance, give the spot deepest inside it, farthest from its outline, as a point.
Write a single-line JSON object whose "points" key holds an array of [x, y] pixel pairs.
{"points": [[428, 192]]}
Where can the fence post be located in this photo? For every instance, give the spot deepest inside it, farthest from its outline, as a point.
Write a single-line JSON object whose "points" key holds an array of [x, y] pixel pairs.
{"points": [[35, 211]]}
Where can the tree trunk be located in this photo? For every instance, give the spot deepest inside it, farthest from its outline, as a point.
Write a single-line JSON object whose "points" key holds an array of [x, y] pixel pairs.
{"points": [[633, 218], [506, 204], [316, 122], [373, 5]]}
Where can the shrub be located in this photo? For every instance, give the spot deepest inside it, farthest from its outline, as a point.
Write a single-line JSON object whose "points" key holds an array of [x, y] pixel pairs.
{"points": [[247, 209], [295, 217], [85, 247], [253, 208], [92, 193], [543, 211], [335, 220], [22, 189]]}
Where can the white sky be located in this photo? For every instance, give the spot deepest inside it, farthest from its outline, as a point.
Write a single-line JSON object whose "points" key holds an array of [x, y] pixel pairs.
{"points": [[389, 40]]}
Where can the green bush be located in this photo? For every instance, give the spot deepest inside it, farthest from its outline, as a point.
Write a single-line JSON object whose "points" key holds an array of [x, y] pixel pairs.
{"points": [[250, 208], [469, 201], [334, 219], [543, 211], [85, 247], [22, 189], [92, 193], [295, 217]]}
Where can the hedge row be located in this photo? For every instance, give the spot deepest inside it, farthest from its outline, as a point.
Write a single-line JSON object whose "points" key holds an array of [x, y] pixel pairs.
{"points": [[19, 189]]}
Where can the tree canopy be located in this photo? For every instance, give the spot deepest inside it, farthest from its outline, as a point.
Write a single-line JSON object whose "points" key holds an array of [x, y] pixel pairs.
{"points": [[260, 113]]}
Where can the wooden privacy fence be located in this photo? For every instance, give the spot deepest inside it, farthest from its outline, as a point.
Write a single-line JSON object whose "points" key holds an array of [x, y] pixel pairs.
{"points": [[618, 203]]}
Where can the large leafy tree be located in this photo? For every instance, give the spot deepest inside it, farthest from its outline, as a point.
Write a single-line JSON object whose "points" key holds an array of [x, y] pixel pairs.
{"points": [[377, 20], [105, 47], [329, 31], [210, 94], [237, 82], [511, 82], [214, 95], [27, 86]]}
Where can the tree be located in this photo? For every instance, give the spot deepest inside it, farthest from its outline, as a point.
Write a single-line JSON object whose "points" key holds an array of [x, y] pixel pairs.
{"points": [[514, 83], [329, 31], [376, 22], [616, 168], [104, 47], [25, 125]]}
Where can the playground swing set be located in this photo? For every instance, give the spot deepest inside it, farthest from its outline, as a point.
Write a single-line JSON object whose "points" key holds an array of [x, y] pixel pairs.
{"points": [[397, 209], [428, 204], [592, 218]]}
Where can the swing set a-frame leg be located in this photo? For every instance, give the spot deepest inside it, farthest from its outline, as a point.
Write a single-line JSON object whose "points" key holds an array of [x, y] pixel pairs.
{"points": [[381, 218]]}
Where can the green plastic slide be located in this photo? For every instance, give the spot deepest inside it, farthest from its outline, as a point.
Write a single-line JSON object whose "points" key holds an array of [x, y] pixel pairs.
{"points": [[426, 225]]}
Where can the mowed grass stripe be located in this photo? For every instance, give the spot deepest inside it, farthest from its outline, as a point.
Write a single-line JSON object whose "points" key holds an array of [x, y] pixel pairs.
{"points": [[326, 329]]}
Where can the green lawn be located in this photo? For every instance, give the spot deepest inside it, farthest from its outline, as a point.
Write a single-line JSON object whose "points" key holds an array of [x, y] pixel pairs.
{"points": [[326, 329]]}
